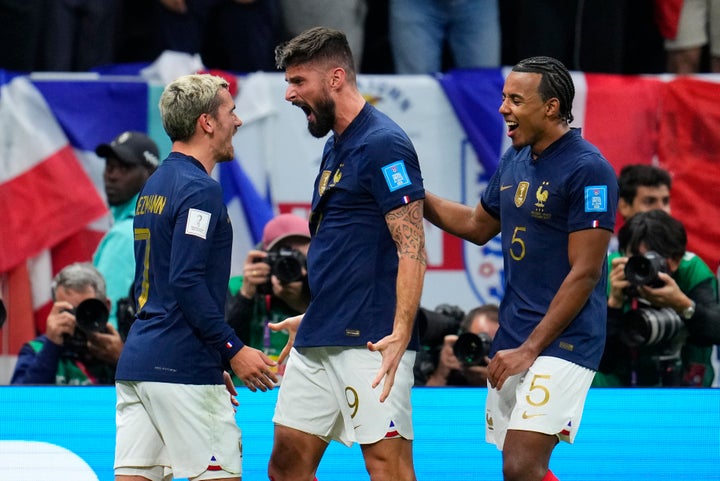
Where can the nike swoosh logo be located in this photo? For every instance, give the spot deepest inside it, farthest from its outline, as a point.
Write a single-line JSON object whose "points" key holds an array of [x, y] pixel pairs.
{"points": [[525, 415], [505, 187]]}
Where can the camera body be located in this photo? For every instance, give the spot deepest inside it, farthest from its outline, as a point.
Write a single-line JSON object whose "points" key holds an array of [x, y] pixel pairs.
{"points": [[643, 270], [471, 349], [286, 264], [91, 316]]}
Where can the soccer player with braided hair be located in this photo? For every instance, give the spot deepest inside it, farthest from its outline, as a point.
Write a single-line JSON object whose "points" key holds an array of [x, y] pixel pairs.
{"points": [[553, 200]]}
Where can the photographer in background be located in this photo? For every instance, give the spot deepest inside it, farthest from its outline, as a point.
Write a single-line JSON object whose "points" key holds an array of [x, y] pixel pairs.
{"points": [[79, 346], [462, 360], [663, 311], [273, 286]]}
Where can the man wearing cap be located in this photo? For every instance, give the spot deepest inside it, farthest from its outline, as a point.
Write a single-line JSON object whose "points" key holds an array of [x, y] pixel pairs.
{"points": [[129, 160], [259, 297]]}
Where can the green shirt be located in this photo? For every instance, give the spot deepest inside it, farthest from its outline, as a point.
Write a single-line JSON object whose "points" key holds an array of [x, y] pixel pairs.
{"points": [[643, 362]]}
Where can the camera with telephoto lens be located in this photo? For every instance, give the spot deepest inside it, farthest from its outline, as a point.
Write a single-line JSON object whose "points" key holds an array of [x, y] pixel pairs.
{"points": [[285, 264], [91, 316], [648, 325], [471, 349], [433, 326], [643, 270]]}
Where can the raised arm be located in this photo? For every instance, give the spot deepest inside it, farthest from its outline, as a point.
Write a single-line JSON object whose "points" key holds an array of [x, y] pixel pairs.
{"points": [[472, 224]]}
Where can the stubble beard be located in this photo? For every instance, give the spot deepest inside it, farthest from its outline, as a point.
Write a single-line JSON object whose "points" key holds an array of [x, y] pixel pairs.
{"points": [[324, 118]]}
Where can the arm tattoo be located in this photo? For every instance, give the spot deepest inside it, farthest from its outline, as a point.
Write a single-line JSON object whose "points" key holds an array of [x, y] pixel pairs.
{"points": [[406, 228]]}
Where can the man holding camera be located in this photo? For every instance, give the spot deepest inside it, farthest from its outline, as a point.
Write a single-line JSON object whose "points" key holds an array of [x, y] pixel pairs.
{"points": [[80, 346], [273, 286], [462, 360], [663, 311]]}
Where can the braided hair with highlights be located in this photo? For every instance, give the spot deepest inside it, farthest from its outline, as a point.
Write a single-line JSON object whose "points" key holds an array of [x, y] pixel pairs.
{"points": [[556, 82]]}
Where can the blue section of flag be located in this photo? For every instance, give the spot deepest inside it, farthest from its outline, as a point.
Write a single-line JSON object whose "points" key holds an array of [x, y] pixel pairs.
{"points": [[236, 184], [113, 107], [475, 95]]}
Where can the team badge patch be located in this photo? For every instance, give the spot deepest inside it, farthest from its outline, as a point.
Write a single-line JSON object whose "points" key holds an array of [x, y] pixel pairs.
{"points": [[197, 223], [396, 175], [596, 198]]}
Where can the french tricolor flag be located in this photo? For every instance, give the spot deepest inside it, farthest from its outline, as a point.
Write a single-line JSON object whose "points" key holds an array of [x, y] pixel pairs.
{"points": [[47, 201]]}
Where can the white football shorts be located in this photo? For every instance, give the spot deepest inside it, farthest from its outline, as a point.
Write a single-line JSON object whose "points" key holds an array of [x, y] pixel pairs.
{"points": [[326, 391], [180, 430], [548, 398]]}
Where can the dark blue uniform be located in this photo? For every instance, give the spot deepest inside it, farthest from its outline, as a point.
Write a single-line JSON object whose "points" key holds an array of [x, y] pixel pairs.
{"points": [[569, 187], [371, 169], [183, 239]]}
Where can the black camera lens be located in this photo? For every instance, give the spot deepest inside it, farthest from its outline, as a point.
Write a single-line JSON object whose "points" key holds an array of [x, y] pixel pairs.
{"points": [[287, 264], [643, 270], [649, 326], [92, 315], [471, 349]]}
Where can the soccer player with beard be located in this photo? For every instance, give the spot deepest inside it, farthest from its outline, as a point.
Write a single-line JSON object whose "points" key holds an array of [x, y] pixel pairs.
{"points": [[350, 371], [553, 198]]}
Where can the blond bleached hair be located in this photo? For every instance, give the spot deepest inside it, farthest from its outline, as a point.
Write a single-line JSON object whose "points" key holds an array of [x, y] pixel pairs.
{"points": [[186, 99]]}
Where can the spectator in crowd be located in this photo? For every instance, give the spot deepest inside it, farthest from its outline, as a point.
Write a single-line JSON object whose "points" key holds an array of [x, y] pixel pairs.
{"points": [[79, 346], [663, 311], [345, 15], [482, 322], [79, 34], [350, 374], [130, 159], [273, 286], [697, 27], [420, 31], [641, 187], [553, 198], [234, 35], [172, 410]]}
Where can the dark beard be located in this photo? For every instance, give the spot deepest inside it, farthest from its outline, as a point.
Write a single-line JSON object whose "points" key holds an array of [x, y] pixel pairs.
{"points": [[324, 119]]}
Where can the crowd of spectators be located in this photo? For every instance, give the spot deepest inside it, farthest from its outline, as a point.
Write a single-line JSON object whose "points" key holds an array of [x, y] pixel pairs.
{"points": [[615, 36]]}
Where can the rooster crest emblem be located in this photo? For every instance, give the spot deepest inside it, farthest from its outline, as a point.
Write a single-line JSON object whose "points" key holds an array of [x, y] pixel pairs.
{"points": [[541, 195]]}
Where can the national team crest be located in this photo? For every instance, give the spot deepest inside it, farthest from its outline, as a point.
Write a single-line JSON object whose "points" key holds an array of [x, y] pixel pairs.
{"points": [[324, 179], [521, 193]]}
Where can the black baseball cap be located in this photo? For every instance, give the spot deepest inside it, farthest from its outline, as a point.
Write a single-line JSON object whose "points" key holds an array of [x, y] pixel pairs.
{"points": [[134, 148]]}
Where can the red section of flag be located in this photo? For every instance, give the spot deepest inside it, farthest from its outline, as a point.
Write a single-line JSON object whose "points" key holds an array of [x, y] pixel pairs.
{"points": [[45, 205], [621, 117], [689, 146]]}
